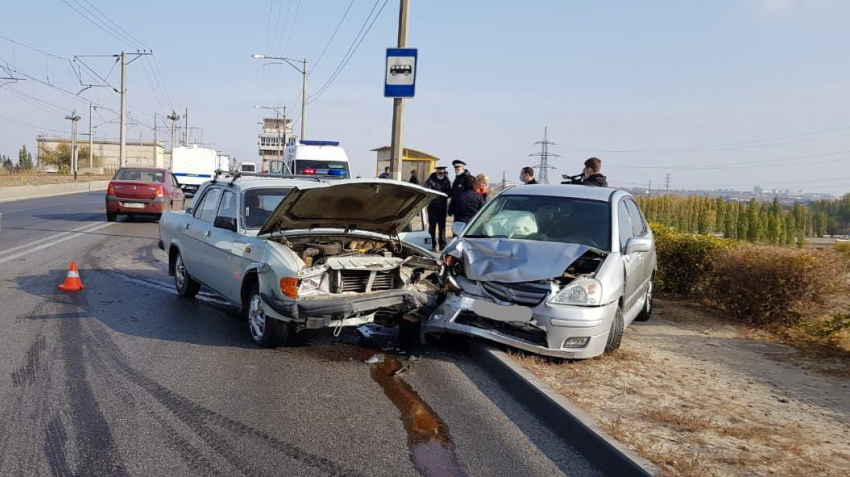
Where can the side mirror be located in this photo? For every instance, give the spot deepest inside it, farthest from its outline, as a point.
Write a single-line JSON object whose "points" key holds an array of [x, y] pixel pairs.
{"points": [[638, 244], [227, 223], [188, 195], [457, 228]]}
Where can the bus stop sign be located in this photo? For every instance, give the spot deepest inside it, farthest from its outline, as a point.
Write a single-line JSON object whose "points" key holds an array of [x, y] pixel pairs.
{"points": [[400, 74]]}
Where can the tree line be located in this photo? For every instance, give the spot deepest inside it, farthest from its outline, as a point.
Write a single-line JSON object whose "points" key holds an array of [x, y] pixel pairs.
{"points": [[24, 162], [752, 221]]}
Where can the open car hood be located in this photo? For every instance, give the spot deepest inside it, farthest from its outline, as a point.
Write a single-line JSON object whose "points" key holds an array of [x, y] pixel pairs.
{"points": [[374, 205]]}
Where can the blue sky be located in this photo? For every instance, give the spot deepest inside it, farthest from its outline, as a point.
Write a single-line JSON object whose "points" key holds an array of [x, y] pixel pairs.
{"points": [[651, 87]]}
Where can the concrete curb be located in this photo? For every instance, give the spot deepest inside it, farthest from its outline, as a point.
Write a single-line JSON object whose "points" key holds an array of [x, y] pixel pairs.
{"points": [[13, 193], [566, 420]]}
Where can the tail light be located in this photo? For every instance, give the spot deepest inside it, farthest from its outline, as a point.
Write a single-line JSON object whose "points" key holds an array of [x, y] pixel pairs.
{"points": [[159, 192], [110, 189], [289, 287], [310, 172]]}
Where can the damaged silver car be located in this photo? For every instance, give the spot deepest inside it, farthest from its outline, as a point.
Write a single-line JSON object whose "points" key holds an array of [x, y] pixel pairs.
{"points": [[555, 270], [297, 254]]}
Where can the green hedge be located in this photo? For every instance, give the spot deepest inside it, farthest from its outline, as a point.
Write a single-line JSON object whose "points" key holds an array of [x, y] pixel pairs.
{"points": [[685, 259]]}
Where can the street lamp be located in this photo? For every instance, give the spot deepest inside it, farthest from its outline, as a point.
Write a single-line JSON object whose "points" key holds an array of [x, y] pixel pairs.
{"points": [[303, 71]]}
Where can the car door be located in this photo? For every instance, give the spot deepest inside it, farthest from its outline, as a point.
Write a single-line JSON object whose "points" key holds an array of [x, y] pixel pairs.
{"points": [[417, 232], [633, 262], [178, 199], [199, 230], [219, 245], [640, 229]]}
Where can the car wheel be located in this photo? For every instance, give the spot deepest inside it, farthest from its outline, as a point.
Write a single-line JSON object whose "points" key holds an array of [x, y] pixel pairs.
{"points": [[111, 216], [185, 284], [615, 337], [646, 312], [265, 331]]}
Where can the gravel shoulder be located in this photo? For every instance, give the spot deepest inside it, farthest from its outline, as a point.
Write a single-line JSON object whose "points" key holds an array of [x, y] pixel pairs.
{"points": [[694, 395]]}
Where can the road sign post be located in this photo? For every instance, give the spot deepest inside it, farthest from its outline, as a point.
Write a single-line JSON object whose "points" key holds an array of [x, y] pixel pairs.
{"points": [[400, 77], [399, 83]]}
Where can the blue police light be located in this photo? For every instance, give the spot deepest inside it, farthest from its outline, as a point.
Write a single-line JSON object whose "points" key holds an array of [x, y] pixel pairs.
{"points": [[311, 142]]}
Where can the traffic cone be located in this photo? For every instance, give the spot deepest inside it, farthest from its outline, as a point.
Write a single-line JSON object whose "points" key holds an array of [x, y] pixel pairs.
{"points": [[72, 280]]}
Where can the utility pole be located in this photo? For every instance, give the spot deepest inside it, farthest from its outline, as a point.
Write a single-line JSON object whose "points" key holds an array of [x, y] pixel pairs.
{"points": [[649, 189], [303, 98], [668, 183], [91, 137], [174, 118], [397, 146], [73, 118], [186, 131], [544, 156], [122, 153]]}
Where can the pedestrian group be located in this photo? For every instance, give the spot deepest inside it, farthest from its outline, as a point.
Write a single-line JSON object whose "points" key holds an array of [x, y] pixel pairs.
{"points": [[466, 195]]}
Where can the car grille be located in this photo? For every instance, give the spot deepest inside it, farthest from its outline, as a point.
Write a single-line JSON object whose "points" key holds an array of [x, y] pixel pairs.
{"points": [[521, 331], [528, 293], [357, 281]]}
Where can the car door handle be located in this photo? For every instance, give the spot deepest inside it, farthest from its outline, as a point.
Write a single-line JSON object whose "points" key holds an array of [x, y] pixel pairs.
{"points": [[187, 227], [207, 234]]}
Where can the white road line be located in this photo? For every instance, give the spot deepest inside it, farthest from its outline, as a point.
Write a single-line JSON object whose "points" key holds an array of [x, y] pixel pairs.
{"points": [[54, 242], [52, 237]]}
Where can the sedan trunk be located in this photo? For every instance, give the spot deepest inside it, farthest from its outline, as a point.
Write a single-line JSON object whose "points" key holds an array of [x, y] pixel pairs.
{"points": [[135, 190]]}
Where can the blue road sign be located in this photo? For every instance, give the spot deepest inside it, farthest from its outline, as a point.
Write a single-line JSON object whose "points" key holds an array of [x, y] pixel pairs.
{"points": [[400, 78]]}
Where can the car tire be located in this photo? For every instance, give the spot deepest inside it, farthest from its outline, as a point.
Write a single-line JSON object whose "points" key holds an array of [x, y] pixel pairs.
{"points": [[185, 284], [111, 216], [646, 312], [264, 331], [615, 337]]}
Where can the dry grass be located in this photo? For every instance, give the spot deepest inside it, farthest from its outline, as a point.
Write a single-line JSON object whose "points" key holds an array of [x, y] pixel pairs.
{"points": [[11, 180], [668, 395]]}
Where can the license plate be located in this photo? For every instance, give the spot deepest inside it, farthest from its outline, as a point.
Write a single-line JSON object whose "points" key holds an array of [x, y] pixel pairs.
{"points": [[134, 205], [501, 312]]}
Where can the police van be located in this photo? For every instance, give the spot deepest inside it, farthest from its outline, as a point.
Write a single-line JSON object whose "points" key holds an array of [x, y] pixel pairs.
{"points": [[313, 158]]}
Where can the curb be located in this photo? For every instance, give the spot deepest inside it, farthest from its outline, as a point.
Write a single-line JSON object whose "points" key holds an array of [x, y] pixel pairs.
{"points": [[563, 417], [11, 194]]}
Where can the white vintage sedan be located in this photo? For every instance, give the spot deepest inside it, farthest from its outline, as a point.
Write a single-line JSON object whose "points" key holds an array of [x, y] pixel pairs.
{"points": [[296, 254]]}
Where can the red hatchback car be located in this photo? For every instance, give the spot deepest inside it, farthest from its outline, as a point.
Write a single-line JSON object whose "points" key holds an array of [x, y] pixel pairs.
{"points": [[143, 191]]}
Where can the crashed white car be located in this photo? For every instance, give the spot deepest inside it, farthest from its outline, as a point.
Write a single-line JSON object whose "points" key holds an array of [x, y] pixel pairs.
{"points": [[555, 270], [296, 254]]}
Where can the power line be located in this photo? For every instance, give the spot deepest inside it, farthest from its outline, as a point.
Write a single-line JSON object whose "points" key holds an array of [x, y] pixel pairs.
{"points": [[351, 50], [4, 118], [742, 164], [333, 35], [33, 48]]}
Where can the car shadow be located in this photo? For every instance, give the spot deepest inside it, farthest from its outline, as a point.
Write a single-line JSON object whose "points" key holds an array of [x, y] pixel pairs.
{"points": [[82, 217]]}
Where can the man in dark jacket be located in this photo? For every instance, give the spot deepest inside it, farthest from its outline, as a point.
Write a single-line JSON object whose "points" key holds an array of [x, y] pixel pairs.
{"points": [[526, 175], [457, 186], [468, 202], [413, 179], [592, 173], [438, 181]]}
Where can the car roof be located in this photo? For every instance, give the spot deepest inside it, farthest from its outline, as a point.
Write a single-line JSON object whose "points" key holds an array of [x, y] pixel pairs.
{"points": [[244, 183], [604, 194]]}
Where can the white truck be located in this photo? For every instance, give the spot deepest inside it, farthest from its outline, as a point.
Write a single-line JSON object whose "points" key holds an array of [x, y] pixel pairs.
{"points": [[193, 166]]}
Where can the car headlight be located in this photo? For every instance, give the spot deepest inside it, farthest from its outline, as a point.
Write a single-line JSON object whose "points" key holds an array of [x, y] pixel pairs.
{"points": [[310, 284], [581, 291]]}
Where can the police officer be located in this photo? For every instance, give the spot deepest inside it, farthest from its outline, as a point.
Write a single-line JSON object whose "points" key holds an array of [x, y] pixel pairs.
{"points": [[457, 186], [438, 181]]}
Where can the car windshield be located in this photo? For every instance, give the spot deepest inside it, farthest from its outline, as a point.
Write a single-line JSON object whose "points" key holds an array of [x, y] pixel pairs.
{"points": [[545, 219], [141, 175], [259, 205], [322, 168]]}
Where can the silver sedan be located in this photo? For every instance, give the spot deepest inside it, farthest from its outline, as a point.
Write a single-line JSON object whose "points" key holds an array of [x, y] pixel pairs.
{"points": [[556, 270]]}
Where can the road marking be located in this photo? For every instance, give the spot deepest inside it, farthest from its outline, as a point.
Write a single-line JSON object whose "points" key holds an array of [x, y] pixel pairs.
{"points": [[53, 242], [47, 239]]}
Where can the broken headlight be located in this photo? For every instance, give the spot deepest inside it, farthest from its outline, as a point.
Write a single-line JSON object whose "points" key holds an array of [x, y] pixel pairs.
{"points": [[310, 284], [581, 291]]}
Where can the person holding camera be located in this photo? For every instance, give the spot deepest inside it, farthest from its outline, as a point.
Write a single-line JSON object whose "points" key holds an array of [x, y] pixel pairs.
{"points": [[592, 173]]}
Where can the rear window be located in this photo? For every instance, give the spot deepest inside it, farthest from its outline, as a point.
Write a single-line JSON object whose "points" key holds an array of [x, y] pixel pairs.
{"points": [[141, 175], [322, 168], [259, 205]]}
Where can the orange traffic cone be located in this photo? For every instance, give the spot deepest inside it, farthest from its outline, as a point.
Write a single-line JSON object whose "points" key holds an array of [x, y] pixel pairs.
{"points": [[72, 280]]}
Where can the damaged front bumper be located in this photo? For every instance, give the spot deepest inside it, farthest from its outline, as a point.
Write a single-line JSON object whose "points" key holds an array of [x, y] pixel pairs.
{"points": [[547, 333], [347, 310]]}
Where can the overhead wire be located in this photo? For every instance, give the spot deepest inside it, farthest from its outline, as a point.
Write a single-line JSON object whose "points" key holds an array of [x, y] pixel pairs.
{"points": [[346, 59], [333, 35]]}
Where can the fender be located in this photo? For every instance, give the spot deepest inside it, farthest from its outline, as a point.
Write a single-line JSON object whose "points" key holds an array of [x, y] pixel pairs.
{"points": [[175, 243]]}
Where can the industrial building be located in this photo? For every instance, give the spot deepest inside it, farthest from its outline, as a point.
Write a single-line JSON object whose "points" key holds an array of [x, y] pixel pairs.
{"points": [[140, 154], [273, 139]]}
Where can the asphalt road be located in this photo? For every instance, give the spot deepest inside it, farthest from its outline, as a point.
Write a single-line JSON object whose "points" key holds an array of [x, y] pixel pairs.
{"points": [[127, 378]]}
